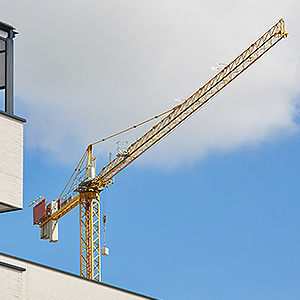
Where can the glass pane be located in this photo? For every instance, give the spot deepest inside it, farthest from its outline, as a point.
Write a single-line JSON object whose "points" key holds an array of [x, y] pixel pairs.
{"points": [[2, 70], [2, 45], [2, 100], [3, 34]]}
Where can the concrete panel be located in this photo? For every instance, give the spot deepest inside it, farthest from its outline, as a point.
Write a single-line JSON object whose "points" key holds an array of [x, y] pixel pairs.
{"points": [[11, 163]]}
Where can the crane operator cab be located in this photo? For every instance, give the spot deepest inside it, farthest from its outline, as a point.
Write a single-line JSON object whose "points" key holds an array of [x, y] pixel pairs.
{"points": [[86, 182]]}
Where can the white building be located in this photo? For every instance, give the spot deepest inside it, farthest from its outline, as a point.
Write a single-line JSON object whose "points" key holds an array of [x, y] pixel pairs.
{"points": [[11, 128], [11, 162], [22, 279]]}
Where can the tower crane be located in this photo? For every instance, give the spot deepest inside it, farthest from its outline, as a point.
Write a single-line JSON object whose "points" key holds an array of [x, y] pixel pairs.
{"points": [[85, 185]]}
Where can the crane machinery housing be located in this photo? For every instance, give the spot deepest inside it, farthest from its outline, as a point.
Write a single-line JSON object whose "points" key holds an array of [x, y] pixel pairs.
{"points": [[84, 186]]}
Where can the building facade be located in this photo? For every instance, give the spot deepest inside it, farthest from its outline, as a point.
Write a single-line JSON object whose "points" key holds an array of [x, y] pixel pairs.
{"points": [[11, 162], [11, 128], [22, 279]]}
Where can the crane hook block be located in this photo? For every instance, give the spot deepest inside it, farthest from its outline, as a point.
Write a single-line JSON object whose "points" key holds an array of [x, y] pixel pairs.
{"points": [[105, 251], [104, 219]]}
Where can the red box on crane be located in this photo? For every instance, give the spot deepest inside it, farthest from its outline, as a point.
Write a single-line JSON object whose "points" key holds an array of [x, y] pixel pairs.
{"points": [[39, 211]]}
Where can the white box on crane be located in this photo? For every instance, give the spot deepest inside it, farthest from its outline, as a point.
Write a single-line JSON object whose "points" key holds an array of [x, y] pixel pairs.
{"points": [[50, 229]]}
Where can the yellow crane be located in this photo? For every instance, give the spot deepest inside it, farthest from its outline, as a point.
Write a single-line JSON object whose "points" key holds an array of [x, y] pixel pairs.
{"points": [[85, 185]]}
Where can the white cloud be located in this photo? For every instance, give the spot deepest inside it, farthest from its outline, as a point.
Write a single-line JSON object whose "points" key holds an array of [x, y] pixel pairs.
{"points": [[86, 69]]}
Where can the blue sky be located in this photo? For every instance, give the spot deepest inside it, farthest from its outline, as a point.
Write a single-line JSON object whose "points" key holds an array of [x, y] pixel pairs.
{"points": [[211, 212], [226, 228]]}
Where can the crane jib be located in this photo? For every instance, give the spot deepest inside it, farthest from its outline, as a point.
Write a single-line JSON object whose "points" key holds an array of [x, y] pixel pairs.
{"points": [[193, 103]]}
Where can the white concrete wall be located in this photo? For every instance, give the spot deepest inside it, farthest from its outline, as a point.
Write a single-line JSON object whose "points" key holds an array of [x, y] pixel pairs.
{"points": [[11, 283], [11, 163], [38, 282]]}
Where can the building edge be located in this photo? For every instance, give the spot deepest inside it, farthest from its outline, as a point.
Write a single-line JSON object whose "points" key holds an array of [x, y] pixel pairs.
{"points": [[8, 265]]}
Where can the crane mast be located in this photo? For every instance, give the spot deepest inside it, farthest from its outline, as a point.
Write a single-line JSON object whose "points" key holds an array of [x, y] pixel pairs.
{"points": [[86, 194]]}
